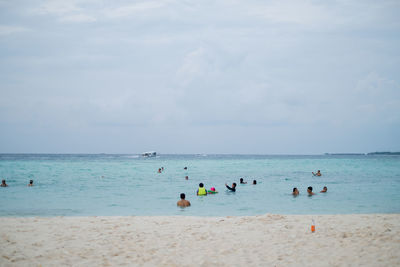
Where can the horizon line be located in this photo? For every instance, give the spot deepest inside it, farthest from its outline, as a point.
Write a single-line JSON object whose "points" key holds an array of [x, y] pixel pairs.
{"points": [[254, 154]]}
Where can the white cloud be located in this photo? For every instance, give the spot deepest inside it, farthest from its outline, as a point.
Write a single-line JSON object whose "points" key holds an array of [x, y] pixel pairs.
{"points": [[6, 30], [299, 12], [57, 7], [378, 98], [133, 9], [77, 18], [67, 11], [194, 65]]}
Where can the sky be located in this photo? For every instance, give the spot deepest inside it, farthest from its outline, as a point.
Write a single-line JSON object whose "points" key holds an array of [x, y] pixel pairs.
{"points": [[179, 76]]}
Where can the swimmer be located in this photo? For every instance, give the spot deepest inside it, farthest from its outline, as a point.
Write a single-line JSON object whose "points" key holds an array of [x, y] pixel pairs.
{"points": [[30, 183], [185, 168], [254, 182], [159, 170], [295, 192], [162, 168], [317, 174], [324, 190], [242, 182], [309, 191], [201, 191], [3, 183], [212, 191], [233, 188], [183, 202], [187, 177]]}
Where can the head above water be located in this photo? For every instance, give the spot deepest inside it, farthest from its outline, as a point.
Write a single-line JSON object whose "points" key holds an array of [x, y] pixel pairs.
{"points": [[309, 188], [254, 182], [241, 180], [294, 189], [234, 185], [183, 196], [31, 181], [201, 185]]}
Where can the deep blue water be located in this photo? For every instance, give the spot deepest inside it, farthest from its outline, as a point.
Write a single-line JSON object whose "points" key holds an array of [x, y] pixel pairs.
{"points": [[80, 185]]}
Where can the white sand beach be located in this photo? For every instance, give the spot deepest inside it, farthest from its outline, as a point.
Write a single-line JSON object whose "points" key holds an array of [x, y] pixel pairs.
{"points": [[266, 240]]}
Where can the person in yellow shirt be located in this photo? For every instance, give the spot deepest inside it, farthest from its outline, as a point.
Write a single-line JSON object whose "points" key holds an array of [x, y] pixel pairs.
{"points": [[202, 190]]}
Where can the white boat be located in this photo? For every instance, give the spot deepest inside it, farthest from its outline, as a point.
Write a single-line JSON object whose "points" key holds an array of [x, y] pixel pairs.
{"points": [[149, 154]]}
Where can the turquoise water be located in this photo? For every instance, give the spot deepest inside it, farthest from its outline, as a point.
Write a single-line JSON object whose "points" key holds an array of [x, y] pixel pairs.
{"points": [[80, 185]]}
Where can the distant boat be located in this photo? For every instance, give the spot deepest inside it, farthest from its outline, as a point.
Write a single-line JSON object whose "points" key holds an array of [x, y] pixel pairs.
{"points": [[149, 154]]}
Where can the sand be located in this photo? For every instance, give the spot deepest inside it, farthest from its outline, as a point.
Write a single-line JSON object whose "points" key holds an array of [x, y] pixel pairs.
{"points": [[266, 240]]}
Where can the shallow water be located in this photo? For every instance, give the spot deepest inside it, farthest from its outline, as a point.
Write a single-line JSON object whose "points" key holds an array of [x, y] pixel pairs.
{"points": [[80, 185]]}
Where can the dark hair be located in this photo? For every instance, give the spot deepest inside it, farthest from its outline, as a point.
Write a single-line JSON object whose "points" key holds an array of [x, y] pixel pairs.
{"points": [[310, 187], [254, 182], [183, 196], [241, 179], [31, 181], [294, 189], [3, 181], [234, 184], [201, 184]]}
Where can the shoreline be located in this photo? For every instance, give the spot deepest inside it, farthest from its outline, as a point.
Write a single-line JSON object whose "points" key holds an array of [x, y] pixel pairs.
{"points": [[267, 240], [191, 216]]}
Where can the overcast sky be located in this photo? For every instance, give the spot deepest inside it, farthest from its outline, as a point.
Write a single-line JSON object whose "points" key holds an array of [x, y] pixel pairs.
{"points": [[176, 76]]}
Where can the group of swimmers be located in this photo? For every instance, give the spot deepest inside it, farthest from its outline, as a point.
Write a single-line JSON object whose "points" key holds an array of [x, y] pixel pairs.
{"points": [[202, 191], [309, 191], [4, 184]]}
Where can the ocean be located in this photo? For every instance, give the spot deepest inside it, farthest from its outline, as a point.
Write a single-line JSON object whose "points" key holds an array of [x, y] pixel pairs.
{"points": [[119, 185]]}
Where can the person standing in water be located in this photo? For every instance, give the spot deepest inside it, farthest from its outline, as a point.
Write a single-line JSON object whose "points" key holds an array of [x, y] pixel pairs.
{"points": [[233, 188], [183, 203], [3, 183], [309, 191], [295, 192], [201, 191], [318, 173]]}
